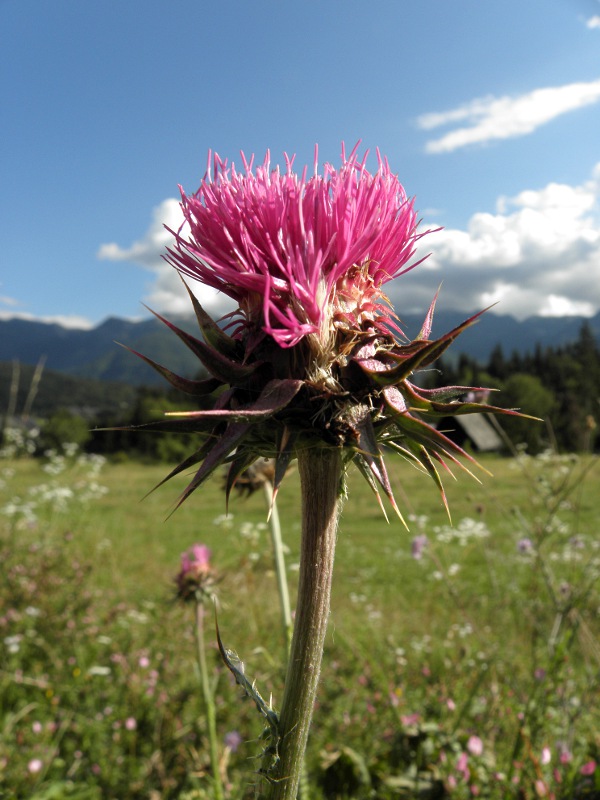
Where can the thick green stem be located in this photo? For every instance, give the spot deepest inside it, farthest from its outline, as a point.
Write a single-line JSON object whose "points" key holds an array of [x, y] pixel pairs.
{"points": [[320, 477], [209, 702]]}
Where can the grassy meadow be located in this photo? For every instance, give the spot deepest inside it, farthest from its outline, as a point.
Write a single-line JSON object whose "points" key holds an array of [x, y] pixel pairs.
{"points": [[462, 661]]}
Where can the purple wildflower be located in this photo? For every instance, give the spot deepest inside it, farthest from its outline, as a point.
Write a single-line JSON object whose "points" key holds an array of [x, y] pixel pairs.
{"points": [[196, 560], [233, 740], [299, 254], [313, 356], [195, 578], [418, 546], [525, 545]]}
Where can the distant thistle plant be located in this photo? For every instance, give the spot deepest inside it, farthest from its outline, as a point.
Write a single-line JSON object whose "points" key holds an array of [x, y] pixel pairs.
{"points": [[195, 579], [195, 582], [312, 365]]}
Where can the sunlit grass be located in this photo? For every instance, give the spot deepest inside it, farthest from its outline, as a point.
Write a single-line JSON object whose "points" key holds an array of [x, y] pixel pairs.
{"points": [[454, 639]]}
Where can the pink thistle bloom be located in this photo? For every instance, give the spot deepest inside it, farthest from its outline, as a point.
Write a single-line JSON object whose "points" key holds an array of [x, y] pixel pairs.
{"points": [[313, 356], [195, 577], [589, 768], [299, 254], [196, 559], [35, 765], [475, 746]]}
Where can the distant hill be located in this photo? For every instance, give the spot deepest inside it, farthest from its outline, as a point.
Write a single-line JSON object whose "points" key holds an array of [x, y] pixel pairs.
{"points": [[93, 353], [21, 393]]}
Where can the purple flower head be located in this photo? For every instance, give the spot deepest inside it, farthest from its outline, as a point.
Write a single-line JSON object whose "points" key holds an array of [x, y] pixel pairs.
{"points": [[313, 357], [195, 578], [525, 545], [418, 546], [299, 254], [196, 560], [233, 740]]}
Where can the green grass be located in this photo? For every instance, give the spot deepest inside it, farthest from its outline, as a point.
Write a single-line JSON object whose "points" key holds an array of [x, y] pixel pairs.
{"points": [[458, 638]]}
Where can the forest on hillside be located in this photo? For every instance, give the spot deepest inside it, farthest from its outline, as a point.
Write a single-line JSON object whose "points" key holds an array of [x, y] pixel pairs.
{"points": [[561, 385]]}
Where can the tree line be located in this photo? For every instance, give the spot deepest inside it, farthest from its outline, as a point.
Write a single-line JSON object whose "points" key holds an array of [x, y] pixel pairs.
{"points": [[560, 385]]}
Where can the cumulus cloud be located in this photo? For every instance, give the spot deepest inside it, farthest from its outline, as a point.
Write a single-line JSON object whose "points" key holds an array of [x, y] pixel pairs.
{"points": [[538, 254], [593, 22], [491, 118], [166, 293], [64, 320]]}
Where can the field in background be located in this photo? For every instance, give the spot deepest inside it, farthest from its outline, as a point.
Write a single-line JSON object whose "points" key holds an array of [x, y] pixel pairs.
{"points": [[460, 661]]}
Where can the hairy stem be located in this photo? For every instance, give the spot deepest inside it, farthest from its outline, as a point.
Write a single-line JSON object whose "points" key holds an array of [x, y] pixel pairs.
{"points": [[320, 477]]}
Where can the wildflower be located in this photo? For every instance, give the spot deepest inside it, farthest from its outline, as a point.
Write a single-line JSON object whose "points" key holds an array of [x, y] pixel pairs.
{"points": [[195, 578], [546, 756], [35, 765], [13, 643], [564, 754], [99, 671], [525, 545], [313, 356], [589, 768], [462, 766], [130, 723], [475, 746], [408, 720], [233, 740], [418, 546]]}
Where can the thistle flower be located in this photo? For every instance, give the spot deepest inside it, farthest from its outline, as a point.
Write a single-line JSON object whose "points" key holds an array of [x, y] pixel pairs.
{"points": [[195, 578], [313, 364], [314, 355]]}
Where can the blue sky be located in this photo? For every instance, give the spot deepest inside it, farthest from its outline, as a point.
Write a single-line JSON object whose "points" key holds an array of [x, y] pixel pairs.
{"points": [[488, 111]]}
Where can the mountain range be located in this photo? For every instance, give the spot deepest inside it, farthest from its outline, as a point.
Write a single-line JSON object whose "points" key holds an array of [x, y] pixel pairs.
{"points": [[93, 354]]}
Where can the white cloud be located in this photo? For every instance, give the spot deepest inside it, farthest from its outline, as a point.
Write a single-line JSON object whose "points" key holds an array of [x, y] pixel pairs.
{"points": [[539, 253], [490, 118], [593, 22], [65, 320], [166, 294]]}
